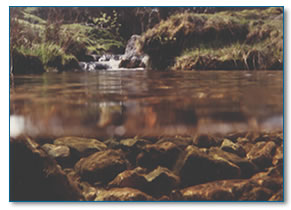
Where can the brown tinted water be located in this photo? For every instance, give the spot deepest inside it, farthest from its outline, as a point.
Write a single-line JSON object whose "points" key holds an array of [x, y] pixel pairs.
{"points": [[145, 103]]}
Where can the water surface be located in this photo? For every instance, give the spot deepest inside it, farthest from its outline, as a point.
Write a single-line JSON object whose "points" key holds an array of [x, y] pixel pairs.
{"points": [[103, 104]]}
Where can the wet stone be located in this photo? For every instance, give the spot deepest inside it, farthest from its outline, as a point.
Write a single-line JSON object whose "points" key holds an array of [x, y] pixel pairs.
{"points": [[206, 141], [122, 194], [180, 141], [88, 191], [157, 183], [278, 196], [101, 166], [130, 178], [198, 167], [276, 170], [229, 146], [247, 146], [247, 168], [164, 154], [257, 194], [35, 176], [132, 147], [60, 153], [273, 183], [234, 136], [133, 143], [224, 190], [262, 137], [262, 154], [161, 181], [81, 147], [253, 189], [242, 140], [275, 137], [278, 157], [112, 143]]}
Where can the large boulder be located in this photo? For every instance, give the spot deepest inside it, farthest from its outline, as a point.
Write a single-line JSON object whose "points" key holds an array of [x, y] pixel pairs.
{"points": [[101, 166], [197, 167], [35, 176], [132, 58]]}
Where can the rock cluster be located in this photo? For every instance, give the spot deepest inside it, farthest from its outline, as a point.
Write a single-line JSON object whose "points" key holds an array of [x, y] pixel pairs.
{"points": [[132, 58], [240, 167]]}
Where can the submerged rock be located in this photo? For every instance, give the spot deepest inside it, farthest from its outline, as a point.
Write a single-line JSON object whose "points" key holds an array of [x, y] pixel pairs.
{"points": [[206, 141], [198, 167], [35, 176], [229, 146], [164, 154], [101, 166], [60, 153], [132, 147], [81, 147], [157, 183], [161, 181], [180, 141], [253, 189], [131, 178], [278, 157], [122, 194], [262, 154], [247, 168], [279, 196]]}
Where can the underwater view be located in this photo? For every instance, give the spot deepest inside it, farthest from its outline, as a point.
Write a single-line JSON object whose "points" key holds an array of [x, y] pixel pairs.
{"points": [[146, 104]]}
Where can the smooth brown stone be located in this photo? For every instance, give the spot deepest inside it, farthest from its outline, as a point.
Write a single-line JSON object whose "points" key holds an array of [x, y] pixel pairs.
{"points": [[101, 166], [197, 167], [262, 154], [164, 154], [80, 146], [122, 194]]}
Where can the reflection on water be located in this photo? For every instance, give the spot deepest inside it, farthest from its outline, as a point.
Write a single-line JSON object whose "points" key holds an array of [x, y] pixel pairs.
{"points": [[107, 103]]}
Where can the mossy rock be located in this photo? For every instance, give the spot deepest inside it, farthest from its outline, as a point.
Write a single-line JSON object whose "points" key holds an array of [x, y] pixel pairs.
{"points": [[26, 64]]}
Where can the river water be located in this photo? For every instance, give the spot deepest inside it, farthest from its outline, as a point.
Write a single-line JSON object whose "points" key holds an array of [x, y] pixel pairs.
{"points": [[104, 104]]}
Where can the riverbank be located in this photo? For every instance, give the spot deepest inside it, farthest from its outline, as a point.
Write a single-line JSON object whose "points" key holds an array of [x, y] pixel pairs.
{"points": [[234, 167], [202, 38], [39, 44], [250, 39]]}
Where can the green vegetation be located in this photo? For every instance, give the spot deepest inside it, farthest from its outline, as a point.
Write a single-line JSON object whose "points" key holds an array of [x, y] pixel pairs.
{"points": [[228, 40], [59, 45], [190, 38]]}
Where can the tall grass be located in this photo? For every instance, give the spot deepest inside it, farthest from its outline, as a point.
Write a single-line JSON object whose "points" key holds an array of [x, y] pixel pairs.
{"points": [[247, 39], [50, 39]]}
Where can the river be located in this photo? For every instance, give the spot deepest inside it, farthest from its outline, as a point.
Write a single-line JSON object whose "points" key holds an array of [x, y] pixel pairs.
{"points": [[105, 104]]}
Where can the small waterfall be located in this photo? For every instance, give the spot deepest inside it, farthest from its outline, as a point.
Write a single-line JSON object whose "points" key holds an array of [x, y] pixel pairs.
{"points": [[130, 60]]}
